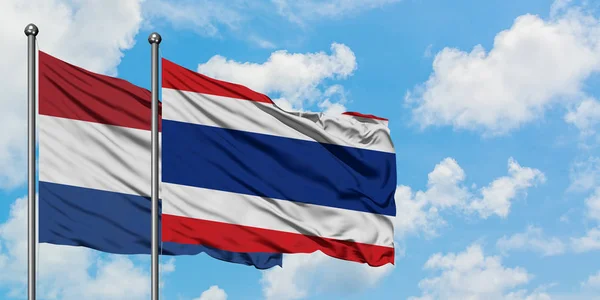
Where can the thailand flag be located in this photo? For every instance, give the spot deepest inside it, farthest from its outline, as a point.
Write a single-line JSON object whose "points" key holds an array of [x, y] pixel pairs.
{"points": [[241, 174], [94, 165]]}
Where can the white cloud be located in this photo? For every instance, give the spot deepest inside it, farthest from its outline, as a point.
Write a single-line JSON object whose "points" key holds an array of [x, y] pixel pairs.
{"points": [[210, 17], [428, 50], [167, 267], [261, 42], [333, 100], [592, 204], [585, 175], [593, 282], [420, 211], [316, 272], [301, 11], [532, 239], [444, 188], [202, 16], [589, 242], [68, 272], [273, 77], [472, 275], [559, 6], [524, 295], [498, 195], [585, 116], [213, 293], [415, 214], [215, 18], [69, 30], [532, 66]]}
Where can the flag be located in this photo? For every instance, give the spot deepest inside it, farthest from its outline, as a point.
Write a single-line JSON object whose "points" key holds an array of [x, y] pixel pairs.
{"points": [[94, 166], [241, 174]]}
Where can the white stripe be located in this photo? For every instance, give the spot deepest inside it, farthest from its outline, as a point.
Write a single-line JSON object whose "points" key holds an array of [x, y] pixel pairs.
{"points": [[265, 118], [281, 215], [96, 156]]}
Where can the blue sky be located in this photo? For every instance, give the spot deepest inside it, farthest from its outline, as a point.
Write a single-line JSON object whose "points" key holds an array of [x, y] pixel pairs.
{"points": [[493, 112]]}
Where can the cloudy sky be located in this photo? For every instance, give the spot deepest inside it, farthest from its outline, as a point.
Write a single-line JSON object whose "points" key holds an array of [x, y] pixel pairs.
{"points": [[494, 110]]}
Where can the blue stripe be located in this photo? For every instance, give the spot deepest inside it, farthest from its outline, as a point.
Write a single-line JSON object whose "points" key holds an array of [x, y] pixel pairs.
{"points": [[116, 223], [281, 168]]}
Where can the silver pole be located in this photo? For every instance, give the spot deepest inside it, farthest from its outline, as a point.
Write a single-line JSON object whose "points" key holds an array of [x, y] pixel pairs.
{"points": [[154, 39], [31, 32]]}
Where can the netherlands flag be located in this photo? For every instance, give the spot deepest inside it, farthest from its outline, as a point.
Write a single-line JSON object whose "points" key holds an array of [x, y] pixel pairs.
{"points": [[94, 166], [241, 174]]}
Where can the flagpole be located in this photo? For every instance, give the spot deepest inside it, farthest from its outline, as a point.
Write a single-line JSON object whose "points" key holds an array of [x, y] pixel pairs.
{"points": [[154, 39], [31, 32]]}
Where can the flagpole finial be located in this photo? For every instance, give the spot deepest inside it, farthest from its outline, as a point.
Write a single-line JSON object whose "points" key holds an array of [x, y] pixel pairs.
{"points": [[31, 29], [154, 38]]}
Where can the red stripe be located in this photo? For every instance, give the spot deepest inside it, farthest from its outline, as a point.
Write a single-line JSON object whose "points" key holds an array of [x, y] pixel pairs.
{"points": [[71, 92], [179, 78], [356, 114], [237, 238]]}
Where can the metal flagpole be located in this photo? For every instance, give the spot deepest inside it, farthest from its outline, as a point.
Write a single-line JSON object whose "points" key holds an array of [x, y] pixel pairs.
{"points": [[31, 32], [154, 39]]}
